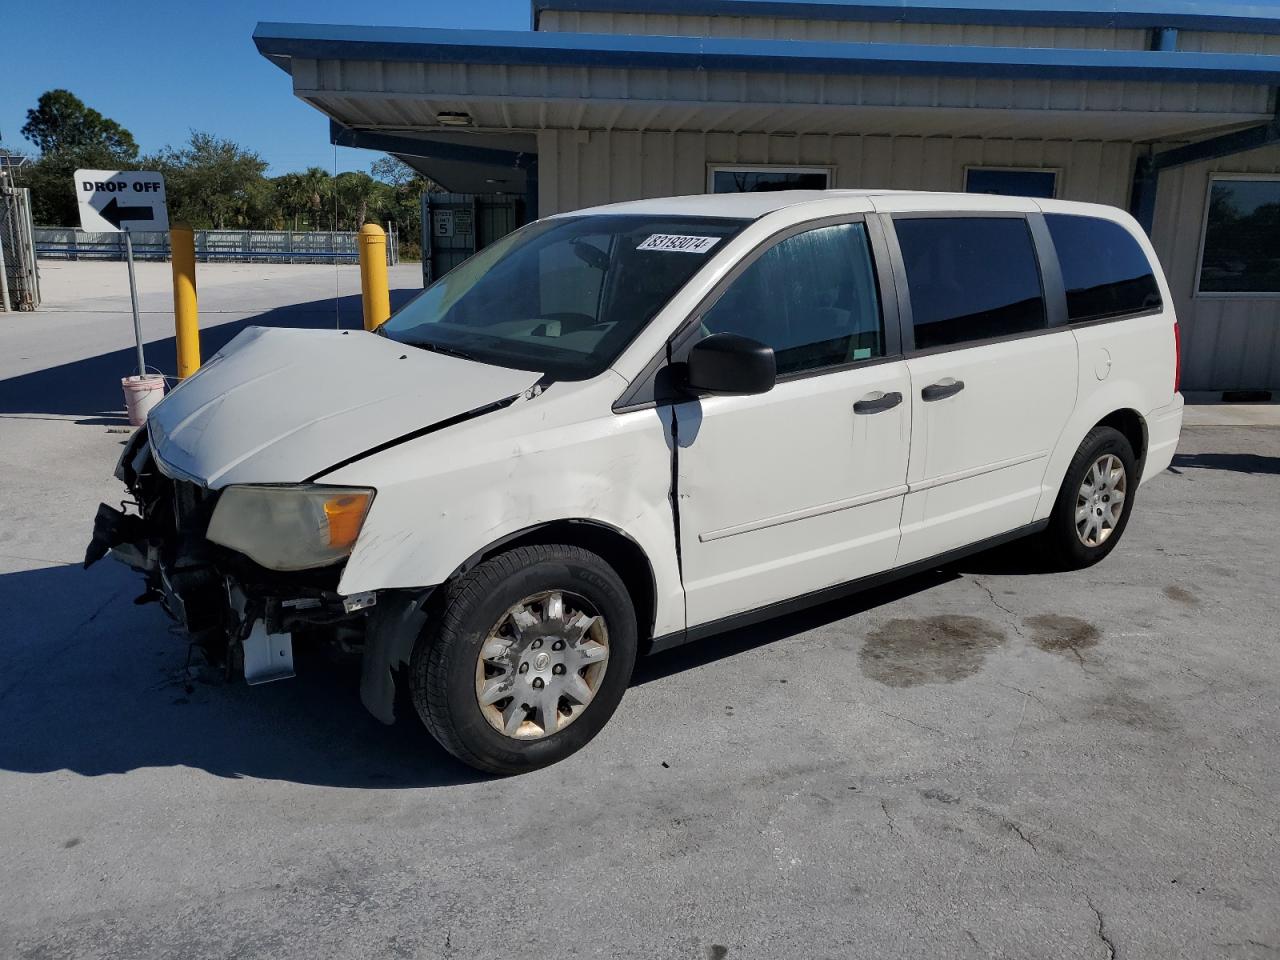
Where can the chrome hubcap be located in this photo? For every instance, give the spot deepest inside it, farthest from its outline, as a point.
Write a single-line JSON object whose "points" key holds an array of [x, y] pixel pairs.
{"points": [[541, 664], [1100, 502]]}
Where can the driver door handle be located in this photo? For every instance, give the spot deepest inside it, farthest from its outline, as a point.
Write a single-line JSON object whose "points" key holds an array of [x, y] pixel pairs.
{"points": [[941, 390], [877, 403]]}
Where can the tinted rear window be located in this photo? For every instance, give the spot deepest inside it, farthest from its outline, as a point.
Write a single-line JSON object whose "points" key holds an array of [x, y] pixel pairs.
{"points": [[970, 278], [1105, 271]]}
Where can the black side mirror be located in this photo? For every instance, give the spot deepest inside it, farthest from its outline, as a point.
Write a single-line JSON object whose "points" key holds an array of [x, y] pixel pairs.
{"points": [[725, 364]]}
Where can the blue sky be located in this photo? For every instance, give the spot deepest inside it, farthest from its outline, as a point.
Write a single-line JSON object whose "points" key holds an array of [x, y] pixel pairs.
{"points": [[162, 69]]}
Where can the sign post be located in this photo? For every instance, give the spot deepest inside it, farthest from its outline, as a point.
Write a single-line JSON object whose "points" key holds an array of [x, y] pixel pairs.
{"points": [[133, 297], [118, 201]]}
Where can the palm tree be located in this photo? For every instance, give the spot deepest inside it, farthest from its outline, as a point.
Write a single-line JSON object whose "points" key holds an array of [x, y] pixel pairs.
{"points": [[291, 196], [317, 187]]}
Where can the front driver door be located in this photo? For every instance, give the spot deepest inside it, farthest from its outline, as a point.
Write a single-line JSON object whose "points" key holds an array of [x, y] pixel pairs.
{"points": [[801, 488]]}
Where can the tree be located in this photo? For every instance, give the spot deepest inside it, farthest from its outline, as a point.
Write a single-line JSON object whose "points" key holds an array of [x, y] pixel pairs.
{"points": [[70, 136], [61, 121], [291, 197], [360, 199], [394, 171], [405, 207], [317, 189], [212, 182]]}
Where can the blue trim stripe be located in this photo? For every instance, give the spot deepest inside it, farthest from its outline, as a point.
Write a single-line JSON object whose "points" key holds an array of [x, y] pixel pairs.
{"points": [[281, 41], [1130, 14]]}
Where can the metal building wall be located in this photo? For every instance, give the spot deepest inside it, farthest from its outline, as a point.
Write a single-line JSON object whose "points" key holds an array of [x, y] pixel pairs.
{"points": [[987, 35], [1228, 342], [1198, 41], [776, 28], [579, 169]]}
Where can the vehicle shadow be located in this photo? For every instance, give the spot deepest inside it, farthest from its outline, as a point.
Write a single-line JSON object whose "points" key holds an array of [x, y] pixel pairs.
{"points": [[1251, 463], [90, 388], [713, 649], [1017, 558], [94, 684]]}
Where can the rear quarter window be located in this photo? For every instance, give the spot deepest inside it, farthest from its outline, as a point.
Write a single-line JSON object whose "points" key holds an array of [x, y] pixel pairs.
{"points": [[1105, 271]]}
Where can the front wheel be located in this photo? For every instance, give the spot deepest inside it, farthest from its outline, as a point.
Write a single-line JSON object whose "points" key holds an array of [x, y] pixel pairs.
{"points": [[528, 658], [1093, 506]]}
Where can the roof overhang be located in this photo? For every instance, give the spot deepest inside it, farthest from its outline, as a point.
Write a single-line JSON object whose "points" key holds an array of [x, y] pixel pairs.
{"points": [[1113, 14], [398, 82], [284, 42], [459, 162]]}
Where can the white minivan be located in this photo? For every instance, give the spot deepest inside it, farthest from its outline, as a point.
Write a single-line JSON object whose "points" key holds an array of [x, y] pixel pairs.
{"points": [[626, 428]]}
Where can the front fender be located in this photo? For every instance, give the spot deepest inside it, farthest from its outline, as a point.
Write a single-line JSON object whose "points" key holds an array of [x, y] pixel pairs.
{"points": [[444, 498]]}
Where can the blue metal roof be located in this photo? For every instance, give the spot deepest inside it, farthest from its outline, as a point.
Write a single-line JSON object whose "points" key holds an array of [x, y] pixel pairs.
{"points": [[1181, 14], [282, 41]]}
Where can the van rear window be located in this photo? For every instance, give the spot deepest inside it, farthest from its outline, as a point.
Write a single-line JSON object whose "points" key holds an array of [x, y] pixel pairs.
{"points": [[1105, 271]]}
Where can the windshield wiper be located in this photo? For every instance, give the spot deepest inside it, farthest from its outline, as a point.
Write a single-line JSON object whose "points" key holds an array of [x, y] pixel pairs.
{"points": [[447, 351]]}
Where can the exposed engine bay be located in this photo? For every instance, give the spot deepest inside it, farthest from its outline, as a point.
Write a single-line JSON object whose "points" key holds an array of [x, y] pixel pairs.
{"points": [[242, 615]]}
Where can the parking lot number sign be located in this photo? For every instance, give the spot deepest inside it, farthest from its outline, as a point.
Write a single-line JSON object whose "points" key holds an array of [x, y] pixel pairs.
{"points": [[113, 200]]}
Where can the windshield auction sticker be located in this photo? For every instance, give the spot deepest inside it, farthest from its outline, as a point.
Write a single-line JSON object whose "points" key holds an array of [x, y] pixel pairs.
{"points": [[678, 243]]}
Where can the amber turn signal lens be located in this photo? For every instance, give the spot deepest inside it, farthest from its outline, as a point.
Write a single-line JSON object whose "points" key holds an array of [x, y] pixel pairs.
{"points": [[345, 515]]}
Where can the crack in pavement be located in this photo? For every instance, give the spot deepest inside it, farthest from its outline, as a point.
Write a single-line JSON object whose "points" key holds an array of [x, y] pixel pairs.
{"points": [[1249, 943], [1028, 840], [1229, 779], [1040, 700], [1101, 930], [922, 726], [893, 824], [1014, 620]]}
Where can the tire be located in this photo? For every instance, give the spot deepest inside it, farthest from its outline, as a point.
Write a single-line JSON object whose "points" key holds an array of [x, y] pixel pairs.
{"points": [[543, 643], [1067, 544]]}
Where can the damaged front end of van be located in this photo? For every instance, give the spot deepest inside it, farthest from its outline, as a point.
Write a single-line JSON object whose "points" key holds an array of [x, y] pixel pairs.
{"points": [[228, 517], [238, 569]]}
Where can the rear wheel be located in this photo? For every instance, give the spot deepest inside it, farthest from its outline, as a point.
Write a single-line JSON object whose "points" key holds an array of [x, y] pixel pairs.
{"points": [[1093, 506], [528, 658]]}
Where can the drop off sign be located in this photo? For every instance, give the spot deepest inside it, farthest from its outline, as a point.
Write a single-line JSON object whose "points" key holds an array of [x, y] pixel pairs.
{"points": [[115, 200]]}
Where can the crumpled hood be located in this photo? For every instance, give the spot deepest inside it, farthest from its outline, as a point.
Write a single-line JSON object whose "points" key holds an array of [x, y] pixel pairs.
{"points": [[280, 405]]}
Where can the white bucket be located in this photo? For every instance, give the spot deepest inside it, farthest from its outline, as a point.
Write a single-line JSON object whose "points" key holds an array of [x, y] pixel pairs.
{"points": [[140, 395]]}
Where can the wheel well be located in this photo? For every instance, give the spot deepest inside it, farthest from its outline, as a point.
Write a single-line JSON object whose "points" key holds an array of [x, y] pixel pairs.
{"points": [[1134, 428], [611, 545]]}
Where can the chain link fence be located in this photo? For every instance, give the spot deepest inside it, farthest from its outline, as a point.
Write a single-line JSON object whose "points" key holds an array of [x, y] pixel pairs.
{"points": [[236, 246], [19, 281]]}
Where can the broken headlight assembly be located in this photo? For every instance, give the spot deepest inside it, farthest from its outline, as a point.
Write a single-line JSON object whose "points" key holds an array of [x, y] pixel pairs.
{"points": [[290, 527]]}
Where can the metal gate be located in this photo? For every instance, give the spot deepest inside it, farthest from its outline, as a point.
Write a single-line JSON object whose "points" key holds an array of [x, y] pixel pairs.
{"points": [[456, 225], [19, 282]]}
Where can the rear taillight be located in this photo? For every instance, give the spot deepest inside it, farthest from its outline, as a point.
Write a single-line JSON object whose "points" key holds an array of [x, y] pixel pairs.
{"points": [[1177, 357]]}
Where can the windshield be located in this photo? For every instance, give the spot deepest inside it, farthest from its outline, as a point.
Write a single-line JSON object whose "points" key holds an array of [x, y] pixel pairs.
{"points": [[561, 296]]}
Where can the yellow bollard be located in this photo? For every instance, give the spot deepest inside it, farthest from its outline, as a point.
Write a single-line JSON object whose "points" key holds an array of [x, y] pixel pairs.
{"points": [[186, 317], [374, 294]]}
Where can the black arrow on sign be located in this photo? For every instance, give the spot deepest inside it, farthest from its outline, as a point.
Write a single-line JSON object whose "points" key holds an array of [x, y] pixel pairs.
{"points": [[115, 214]]}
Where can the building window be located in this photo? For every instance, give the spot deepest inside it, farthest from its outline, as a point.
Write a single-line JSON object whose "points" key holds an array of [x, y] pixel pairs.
{"points": [[970, 278], [1242, 236], [1011, 182], [761, 179]]}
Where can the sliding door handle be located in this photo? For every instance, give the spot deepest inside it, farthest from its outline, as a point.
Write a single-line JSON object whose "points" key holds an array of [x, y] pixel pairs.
{"points": [[941, 390], [873, 403]]}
